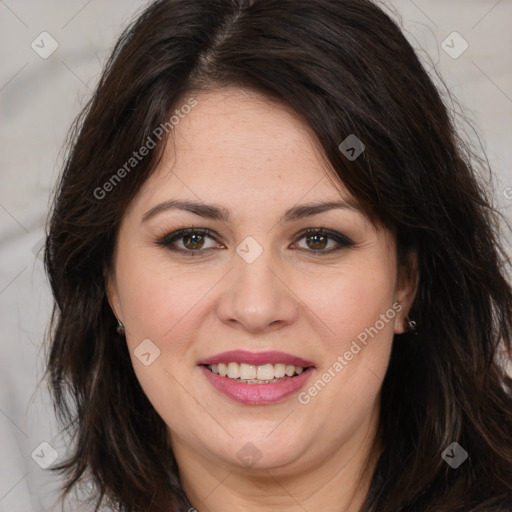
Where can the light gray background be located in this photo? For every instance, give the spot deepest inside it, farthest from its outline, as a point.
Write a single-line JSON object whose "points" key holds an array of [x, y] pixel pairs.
{"points": [[40, 98]]}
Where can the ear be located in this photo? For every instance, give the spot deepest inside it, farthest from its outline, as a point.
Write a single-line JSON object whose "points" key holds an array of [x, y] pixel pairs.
{"points": [[407, 286], [112, 293]]}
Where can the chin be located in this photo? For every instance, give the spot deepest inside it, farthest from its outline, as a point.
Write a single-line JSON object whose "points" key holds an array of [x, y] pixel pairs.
{"points": [[262, 452]]}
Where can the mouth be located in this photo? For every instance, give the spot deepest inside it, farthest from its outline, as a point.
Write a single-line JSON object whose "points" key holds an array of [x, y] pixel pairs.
{"points": [[256, 378]]}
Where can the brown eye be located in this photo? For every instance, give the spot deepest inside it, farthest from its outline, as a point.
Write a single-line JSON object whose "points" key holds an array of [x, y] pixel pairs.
{"points": [[316, 241], [194, 241], [323, 241], [190, 241]]}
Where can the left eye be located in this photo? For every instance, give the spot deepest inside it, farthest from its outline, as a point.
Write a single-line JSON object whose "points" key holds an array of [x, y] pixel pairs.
{"points": [[320, 240]]}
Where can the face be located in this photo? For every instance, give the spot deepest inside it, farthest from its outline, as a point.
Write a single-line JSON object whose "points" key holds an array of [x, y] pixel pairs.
{"points": [[266, 285]]}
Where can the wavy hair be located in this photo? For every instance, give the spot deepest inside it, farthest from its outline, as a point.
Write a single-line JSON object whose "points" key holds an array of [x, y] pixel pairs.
{"points": [[345, 68]]}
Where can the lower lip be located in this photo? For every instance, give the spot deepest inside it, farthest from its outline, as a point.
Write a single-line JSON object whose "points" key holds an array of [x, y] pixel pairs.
{"points": [[257, 394]]}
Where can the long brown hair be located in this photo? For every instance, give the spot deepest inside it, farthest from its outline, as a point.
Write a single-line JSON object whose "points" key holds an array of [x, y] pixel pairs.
{"points": [[345, 68]]}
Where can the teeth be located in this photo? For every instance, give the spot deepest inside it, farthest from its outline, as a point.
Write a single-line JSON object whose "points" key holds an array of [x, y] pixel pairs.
{"points": [[265, 372], [247, 371], [223, 369], [279, 370], [289, 370], [233, 370], [253, 374]]}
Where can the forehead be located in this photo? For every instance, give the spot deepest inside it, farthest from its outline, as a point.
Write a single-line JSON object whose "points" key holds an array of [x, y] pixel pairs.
{"points": [[239, 143]]}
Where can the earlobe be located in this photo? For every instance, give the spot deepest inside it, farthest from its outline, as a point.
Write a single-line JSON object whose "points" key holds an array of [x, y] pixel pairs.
{"points": [[113, 296], [401, 321], [407, 287]]}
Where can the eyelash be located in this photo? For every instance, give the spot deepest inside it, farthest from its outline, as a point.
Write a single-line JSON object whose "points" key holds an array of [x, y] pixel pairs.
{"points": [[168, 240]]}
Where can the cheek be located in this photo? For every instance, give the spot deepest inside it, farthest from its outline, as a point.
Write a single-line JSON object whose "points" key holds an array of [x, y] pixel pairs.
{"points": [[162, 305], [161, 302], [166, 305], [350, 302], [357, 320]]}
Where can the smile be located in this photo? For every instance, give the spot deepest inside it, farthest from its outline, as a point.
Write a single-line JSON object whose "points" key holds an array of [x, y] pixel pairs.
{"points": [[256, 378]]}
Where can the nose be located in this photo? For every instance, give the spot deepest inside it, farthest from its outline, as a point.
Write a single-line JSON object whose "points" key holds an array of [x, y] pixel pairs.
{"points": [[256, 297]]}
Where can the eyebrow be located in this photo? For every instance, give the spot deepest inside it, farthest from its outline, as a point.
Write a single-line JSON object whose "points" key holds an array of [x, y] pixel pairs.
{"points": [[214, 212]]}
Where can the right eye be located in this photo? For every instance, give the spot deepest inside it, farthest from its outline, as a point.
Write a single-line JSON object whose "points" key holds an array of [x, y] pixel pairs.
{"points": [[190, 241]]}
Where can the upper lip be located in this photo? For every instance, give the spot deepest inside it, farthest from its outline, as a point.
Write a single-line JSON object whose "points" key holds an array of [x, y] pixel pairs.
{"points": [[256, 358]]}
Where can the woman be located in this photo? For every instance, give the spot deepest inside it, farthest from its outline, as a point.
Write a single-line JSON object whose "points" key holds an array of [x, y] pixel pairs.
{"points": [[278, 280]]}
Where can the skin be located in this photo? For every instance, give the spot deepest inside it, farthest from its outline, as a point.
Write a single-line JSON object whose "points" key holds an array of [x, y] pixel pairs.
{"points": [[255, 158]]}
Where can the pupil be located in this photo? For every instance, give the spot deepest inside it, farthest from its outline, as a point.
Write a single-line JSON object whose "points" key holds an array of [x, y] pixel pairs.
{"points": [[318, 240], [193, 241]]}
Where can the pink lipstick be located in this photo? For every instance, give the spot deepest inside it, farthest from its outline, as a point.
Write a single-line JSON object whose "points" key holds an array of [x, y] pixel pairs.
{"points": [[256, 378]]}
